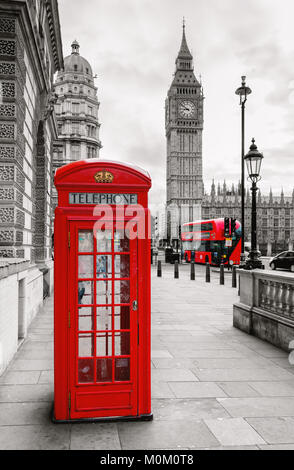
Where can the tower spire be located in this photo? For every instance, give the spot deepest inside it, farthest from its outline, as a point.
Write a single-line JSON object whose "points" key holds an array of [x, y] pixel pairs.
{"points": [[184, 60], [184, 52]]}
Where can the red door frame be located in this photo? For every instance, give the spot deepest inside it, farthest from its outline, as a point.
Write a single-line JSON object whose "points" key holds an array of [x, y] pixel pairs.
{"points": [[103, 399]]}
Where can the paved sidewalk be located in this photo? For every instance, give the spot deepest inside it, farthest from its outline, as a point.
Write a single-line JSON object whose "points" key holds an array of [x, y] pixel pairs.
{"points": [[214, 387]]}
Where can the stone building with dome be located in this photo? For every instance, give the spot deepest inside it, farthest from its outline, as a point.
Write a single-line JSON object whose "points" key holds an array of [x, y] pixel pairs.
{"points": [[76, 111]]}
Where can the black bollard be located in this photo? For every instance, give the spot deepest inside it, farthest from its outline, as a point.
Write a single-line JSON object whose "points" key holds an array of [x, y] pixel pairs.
{"points": [[192, 271], [207, 275], [176, 270], [239, 286], [159, 273], [234, 277], [222, 275]]}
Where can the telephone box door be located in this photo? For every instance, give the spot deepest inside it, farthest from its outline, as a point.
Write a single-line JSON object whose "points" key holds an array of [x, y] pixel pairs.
{"points": [[103, 322]]}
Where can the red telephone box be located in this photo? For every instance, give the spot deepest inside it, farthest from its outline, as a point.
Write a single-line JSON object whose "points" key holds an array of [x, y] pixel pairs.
{"points": [[102, 292]]}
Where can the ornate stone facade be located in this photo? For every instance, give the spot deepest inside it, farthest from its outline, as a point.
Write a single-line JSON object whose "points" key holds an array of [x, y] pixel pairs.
{"points": [[76, 110], [275, 215], [184, 126], [30, 53]]}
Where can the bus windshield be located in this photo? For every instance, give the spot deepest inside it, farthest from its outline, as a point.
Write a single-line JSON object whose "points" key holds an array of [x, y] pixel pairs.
{"points": [[205, 242]]}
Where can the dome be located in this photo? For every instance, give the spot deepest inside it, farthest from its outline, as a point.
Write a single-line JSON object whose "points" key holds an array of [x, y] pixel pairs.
{"points": [[76, 63]]}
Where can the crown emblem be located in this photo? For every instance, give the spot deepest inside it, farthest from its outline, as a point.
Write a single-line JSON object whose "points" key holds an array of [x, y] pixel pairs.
{"points": [[104, 177]]}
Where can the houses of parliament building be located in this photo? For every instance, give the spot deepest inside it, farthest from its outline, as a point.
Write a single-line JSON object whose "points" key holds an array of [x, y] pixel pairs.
{"points": [[186, 198]]}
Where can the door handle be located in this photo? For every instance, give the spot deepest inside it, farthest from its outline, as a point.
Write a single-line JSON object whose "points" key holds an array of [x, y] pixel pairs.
{"points": [[135, 305]]}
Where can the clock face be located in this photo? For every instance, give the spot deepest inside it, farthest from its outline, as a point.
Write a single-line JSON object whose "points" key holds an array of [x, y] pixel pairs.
{"points": [[186, 109]]}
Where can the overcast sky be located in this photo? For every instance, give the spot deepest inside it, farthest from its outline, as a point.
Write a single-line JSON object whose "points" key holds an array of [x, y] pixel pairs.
{"points": [[132, 46]]}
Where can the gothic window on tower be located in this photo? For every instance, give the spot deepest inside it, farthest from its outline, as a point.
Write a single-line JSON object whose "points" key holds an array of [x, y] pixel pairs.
{"points": [[191, 146], [182, 142]]}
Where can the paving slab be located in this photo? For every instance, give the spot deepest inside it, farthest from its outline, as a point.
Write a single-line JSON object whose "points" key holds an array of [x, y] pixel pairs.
{"points": [[173, 409], [35, 437], [258, 406], [173, 375], [278, 430], [94, 436], [26, 393], [12, 414], [233, 432], [161, 390], [274, 389], [165, 435], [239, 375], [19, 377], [238, 389], [46, 377], [32, 364], [196, 390]]}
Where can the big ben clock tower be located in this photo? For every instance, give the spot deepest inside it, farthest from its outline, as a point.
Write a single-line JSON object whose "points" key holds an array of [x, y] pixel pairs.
{"points": [[184, 127]]}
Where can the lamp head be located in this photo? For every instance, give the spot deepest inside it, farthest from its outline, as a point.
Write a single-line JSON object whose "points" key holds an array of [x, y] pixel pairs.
{"points": [[253, 161]]}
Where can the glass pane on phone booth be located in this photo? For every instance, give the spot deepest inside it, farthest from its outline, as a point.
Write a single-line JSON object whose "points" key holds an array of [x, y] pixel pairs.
{"points": [[104, 344], [85, 318], [122, 369], [103, 266], [122, 265], [122, 317], [85, 293], [104, 370], [104, 241], [104, 318], [85, 266], [104, 292], [85, 241], [121, 240], [85, 370], [121, 292]]}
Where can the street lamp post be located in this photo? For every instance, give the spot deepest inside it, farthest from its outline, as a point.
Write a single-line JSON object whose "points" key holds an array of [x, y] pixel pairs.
{"points": [[243, 91], [253, 161]]}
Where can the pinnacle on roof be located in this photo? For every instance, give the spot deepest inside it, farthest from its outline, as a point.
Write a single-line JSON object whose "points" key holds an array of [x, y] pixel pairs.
{"points": [[184, 52]]}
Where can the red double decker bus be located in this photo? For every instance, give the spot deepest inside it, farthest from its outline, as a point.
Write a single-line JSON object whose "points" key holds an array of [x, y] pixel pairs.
{"points": [[205, 241]]}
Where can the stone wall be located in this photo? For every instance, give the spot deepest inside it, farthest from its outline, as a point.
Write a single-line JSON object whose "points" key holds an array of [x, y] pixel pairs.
{"points": [[266, 306], [21, 287]]}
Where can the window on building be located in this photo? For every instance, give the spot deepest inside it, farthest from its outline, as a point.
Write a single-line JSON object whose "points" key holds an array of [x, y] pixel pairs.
{"points": [[75, 108], [90, 110], [75, 127], [76, 67], [75, 150], [287, 222], [276, 222], [276, 212]]}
